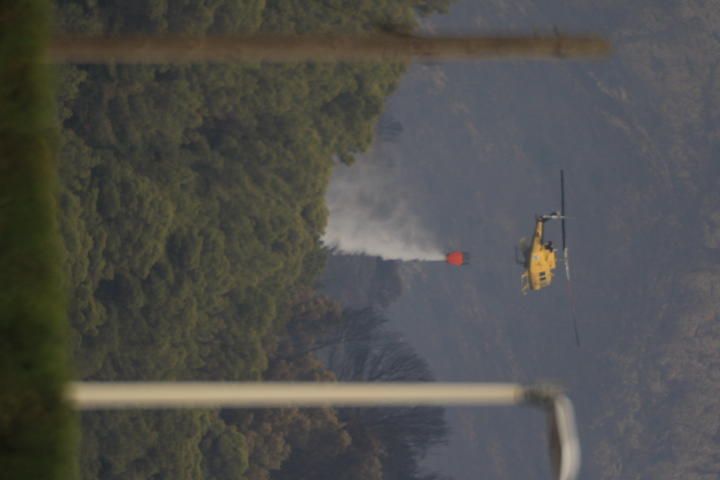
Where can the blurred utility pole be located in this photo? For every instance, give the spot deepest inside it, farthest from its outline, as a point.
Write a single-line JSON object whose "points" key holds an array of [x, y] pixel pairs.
{"points": [[378, 47]]}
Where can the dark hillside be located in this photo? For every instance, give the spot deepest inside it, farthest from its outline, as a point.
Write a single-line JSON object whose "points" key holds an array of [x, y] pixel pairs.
{"points": [[637, 135]]}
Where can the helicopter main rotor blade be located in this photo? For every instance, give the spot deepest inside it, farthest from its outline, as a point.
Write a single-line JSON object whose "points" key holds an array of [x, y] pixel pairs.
{"points": [[562, 207], [572, 312], [566, 262], [577, 335], [566, 258]]}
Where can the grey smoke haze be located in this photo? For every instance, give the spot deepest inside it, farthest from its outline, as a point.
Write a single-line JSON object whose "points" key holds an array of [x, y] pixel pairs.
{"points": [[370, 215]]}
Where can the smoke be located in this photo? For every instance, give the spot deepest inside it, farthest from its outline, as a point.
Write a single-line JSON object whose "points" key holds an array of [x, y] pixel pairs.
{"points": [[371, 215]]}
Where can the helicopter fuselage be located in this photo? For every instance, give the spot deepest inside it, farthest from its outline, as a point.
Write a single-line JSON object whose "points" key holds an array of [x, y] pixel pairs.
{"points": [[541, 260]]}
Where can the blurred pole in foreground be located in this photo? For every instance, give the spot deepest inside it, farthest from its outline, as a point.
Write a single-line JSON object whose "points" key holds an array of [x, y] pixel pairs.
{"points": [[119, 395], [385, 47], [563, 438]]}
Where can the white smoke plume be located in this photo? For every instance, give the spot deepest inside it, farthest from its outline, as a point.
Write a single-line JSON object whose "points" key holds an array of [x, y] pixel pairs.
{"points": [[370, 215]]}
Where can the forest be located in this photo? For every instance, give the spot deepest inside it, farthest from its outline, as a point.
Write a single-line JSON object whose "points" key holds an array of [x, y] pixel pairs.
{"points": [[191, 211]]}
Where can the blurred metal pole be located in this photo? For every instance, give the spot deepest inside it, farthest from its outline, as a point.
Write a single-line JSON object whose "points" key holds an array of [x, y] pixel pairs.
{"points": [[120, 395], [382, 47], [563, 440]]}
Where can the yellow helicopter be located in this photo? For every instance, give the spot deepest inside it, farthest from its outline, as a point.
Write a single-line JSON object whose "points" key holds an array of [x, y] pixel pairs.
{"points": [[539, 258]]}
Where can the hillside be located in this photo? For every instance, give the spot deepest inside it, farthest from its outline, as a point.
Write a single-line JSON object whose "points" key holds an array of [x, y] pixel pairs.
{"points": [[191, 211]]}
